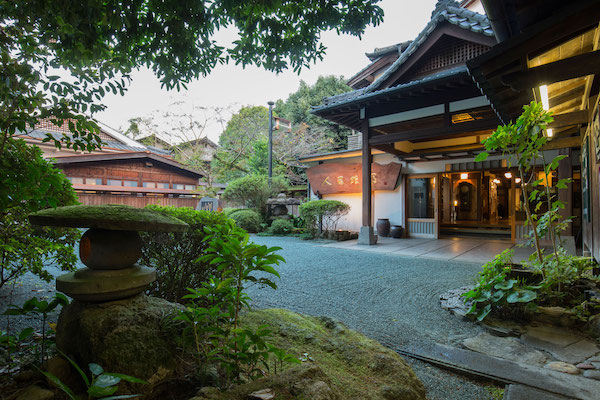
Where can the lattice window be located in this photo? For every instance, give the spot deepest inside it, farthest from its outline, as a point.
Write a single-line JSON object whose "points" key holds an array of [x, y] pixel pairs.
{"points": [[447, 52]]}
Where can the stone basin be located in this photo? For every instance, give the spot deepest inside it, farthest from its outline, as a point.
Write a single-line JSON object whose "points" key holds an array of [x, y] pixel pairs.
{"points": [[110, 248]]}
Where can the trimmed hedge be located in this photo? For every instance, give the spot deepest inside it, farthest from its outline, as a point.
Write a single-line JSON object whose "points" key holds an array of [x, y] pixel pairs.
{"points": [[281, 227], [248, 220], [324, 214]]}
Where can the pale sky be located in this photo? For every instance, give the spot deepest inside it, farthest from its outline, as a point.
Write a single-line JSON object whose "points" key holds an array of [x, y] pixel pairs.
{"points": [[232, 86]]}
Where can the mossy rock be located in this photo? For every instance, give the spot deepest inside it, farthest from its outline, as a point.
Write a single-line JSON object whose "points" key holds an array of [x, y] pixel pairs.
{"points": [[340, 363], [135, 336], [108, 216]]}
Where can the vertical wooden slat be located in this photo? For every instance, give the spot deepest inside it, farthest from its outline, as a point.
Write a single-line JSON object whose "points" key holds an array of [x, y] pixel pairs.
{"points": [[565, 170]]}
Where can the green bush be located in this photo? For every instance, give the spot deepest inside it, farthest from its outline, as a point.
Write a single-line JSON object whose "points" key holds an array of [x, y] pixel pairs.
{"points": [[253, 191], [248, 220], [175, 255], [28, 183], [322, 215], [281, 227], [230, 210]]}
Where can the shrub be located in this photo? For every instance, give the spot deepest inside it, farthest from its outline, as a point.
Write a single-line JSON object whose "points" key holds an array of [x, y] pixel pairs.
{"points": [[281, 227], [496, 292], [28, 183], [323, 214], [253, 191], [248, 220], [175, 255], [230, 210]]}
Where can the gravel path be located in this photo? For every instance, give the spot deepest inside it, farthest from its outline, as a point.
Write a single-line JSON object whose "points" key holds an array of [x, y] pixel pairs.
{"points": [[389, 298]]}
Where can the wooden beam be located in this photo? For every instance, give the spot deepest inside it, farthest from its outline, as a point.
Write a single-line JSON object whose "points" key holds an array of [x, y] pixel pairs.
{"points": [[570, 118], [389, 148], [428, 133], [562, 70], [564, 143]]}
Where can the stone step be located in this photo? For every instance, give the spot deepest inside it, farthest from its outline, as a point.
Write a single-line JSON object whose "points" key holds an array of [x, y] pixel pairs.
{"points": [[521, 392], [504, 371]]}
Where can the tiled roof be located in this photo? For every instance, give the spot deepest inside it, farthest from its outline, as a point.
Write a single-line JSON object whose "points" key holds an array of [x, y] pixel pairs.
{"points": [[381, 51], [363, 94], [445, 10], [113, 144]]}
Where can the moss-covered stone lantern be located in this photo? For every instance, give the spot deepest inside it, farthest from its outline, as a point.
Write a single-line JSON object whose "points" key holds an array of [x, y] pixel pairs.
{"points": [[110, 248]]}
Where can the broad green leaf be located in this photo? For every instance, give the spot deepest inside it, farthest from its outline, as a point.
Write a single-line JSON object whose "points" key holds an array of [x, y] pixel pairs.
{"points": [[481, 157], [95, 369], [506, 285], [497, 296], [106, 380], [484, 312], [126, 378], [95, 391], [58, 383], [521, 296]]}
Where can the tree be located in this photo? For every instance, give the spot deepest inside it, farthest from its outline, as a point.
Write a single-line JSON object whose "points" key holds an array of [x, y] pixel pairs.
{"points": [[238, 143], [243, 147], [100, 42], [253, 191], [29, 184], [298, 105], [181, 128]]}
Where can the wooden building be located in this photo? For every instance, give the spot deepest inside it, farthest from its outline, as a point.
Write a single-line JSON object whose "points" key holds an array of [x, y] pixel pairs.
{"points": [[548, 51], [123, 171], [417, 104]]}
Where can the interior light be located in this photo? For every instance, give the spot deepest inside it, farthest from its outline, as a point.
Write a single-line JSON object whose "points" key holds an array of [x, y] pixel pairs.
{"points": [[549, 132], [455, 203], [464, 176], [517, 180], [544, 95], [508, 175], [496, 181]]}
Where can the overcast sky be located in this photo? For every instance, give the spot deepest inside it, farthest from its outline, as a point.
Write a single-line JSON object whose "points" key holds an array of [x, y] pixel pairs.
{"points": [[232, 86]]}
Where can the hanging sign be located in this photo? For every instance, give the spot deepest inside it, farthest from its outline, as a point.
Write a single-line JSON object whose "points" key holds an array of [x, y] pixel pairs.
{"points": [[347, 178]]}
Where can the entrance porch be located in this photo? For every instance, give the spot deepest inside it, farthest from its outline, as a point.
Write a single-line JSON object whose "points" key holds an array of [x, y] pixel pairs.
{"points": [[447, 249]]}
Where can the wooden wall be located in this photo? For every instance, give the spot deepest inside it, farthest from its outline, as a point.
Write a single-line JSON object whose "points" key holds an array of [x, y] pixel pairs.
{"points": [[136, 201], [148, 171]]}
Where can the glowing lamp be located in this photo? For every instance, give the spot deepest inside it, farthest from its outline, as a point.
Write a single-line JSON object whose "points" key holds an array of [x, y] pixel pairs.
{"points": [[549, 132], [464, 176], [508, 175], [455, 203], [544, 96], [517, 180]]}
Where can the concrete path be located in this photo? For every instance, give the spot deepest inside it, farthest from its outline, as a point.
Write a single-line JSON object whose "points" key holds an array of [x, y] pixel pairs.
{"points": [[472, 250]]}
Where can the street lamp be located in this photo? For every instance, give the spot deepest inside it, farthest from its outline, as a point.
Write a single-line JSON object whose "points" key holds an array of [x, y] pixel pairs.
{"points": [[270, 103]]}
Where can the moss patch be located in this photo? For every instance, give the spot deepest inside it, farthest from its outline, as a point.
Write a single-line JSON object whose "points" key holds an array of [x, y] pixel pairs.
{"points": [[108, 216], [340, 363]]}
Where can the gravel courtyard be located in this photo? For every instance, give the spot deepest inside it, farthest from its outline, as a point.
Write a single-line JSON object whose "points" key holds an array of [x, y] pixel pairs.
{"points": [[389, 298]]}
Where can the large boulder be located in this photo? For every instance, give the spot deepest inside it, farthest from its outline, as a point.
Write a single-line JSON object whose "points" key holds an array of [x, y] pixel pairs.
{"points": [[337, 363], [135, 336]]}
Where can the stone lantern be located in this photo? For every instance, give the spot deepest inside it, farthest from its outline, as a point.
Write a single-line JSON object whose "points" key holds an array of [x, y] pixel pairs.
{"points": [[109, 249], [112, 322]]}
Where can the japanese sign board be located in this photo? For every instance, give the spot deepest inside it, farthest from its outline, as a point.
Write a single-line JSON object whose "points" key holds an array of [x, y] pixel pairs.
{"points": [[347, 178]]}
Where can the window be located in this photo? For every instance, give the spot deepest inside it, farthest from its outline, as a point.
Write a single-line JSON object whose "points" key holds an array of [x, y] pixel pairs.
{"points": [[156, 185], [179, 186], [114, 182], [130, 183], [190, 187], [75, 180], [420, 197], [93, 181]]}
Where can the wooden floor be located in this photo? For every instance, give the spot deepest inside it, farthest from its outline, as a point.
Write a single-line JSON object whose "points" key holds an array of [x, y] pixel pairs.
{"points": [[451, 249]]}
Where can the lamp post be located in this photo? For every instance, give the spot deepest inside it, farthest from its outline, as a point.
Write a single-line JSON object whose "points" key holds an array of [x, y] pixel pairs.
{"points": [[270, 103]]}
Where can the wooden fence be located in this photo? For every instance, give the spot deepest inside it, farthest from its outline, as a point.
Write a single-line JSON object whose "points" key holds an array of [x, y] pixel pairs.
{"points": [[136, 201]]}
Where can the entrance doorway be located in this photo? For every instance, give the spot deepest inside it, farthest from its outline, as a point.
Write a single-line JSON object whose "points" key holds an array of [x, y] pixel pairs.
{"points": [[476, 203]]}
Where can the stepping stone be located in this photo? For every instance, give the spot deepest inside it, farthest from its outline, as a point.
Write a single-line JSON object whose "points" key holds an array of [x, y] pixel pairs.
{"points": [[592, 374], [522, 392], [505, 347], [561, 344], [563, 367], [585, 366]]}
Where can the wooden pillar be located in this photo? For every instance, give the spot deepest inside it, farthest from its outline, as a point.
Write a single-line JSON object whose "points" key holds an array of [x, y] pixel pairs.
{"points": [[366, 176], [565, 170], [366, 235]]}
